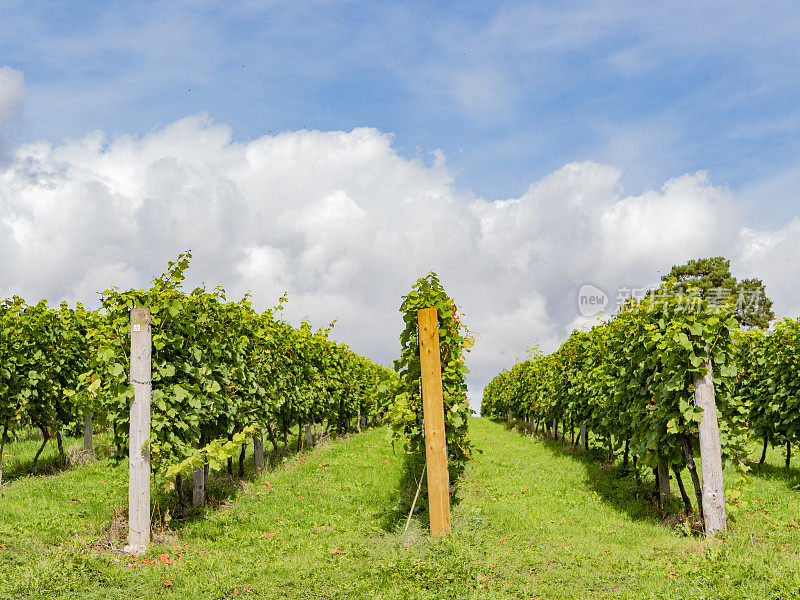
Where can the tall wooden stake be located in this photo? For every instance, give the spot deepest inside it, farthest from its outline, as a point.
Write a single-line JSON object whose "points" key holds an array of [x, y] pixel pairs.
{"points": [[714, 515], [199, 486], [309, 436], [139, 452], [433, 410], [663, 480], [258, 452], [87, 432]]}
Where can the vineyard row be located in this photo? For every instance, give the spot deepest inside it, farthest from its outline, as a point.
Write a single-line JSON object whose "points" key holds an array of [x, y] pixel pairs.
{"points": [[221, 374], [634, 379]]}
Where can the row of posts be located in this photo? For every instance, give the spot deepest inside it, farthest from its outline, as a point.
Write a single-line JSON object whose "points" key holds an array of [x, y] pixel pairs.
{"points": [[713, 491], [139, 452]]}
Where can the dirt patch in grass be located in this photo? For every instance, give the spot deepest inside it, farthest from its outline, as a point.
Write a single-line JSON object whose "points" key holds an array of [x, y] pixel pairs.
{"points": [[76, 455], [115, 537]]}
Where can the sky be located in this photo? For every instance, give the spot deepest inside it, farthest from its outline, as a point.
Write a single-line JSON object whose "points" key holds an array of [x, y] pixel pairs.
{"points": [[339, 150]]}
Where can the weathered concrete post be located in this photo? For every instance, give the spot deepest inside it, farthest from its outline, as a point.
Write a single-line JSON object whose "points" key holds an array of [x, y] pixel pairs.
{"points": [[714, 515], [139, 452]]}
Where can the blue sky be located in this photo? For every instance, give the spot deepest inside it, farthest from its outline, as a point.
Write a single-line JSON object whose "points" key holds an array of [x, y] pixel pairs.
{"points": [[508, 91], [339, 150]]}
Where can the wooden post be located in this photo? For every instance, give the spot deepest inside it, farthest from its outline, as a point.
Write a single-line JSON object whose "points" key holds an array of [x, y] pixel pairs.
{"points": [[139, 452], [714, 515], [584, 437], [433, 410], [663, 481], [625, 454], [199, 481], [309, 436], [198, 487], [258, 452], [87, 432]]}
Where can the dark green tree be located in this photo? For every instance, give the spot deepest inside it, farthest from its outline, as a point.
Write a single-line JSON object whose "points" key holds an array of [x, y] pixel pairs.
{"points": [[713, 277], [757, 309]]}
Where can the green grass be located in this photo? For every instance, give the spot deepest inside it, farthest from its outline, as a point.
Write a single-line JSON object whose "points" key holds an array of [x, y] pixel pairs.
{"points": [[18, 457], [534, 520], [40, 511]]}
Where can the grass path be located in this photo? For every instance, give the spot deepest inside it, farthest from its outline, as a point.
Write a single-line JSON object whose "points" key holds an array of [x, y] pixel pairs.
{"points": [[534, 521], [570, 528]]}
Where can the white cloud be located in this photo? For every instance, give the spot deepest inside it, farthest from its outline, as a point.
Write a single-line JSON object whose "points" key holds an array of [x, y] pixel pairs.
{"points": [[345, 225], [268, 268], [687, 218], [504, 337], [772, 256]]}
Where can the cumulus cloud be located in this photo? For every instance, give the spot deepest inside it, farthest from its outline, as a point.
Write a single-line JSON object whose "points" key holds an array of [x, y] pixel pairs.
{"points": [[773, 257], [345, 225]]}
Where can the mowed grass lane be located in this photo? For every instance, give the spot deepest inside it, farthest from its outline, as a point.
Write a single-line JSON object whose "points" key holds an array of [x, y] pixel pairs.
{"points": [[534, 521]]}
